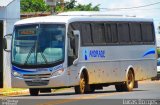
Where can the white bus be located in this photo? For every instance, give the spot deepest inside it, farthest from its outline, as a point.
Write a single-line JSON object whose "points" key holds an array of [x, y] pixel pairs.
{"points": [[84, 52]]}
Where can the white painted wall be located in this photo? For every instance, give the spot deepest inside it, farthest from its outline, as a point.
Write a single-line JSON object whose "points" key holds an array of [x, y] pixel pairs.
{"points": [[13, 10], [10, 15], [2, 13]]}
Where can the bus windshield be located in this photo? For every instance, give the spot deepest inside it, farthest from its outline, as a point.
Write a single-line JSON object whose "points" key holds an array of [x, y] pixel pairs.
{"points": [[39, 44]]}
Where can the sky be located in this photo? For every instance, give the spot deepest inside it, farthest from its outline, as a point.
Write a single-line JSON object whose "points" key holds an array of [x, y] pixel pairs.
{"points": [[152, 11]]}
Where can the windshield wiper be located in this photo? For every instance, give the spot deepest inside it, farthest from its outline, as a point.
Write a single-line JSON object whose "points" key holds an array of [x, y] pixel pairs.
{"points": [[44, 58], [29, 54]]}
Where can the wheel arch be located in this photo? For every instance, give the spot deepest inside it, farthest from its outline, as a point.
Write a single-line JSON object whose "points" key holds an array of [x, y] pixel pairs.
{"points": [[130, 68], [85, 71]]}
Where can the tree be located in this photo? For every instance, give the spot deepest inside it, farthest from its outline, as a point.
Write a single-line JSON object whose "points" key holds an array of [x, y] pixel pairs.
{"points": [[40, 6], [71, 6], [34, 6]]}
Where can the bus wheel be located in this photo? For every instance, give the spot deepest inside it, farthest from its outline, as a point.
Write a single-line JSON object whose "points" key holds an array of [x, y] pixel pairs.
{"points": [[128, 85], [33, 92], [81, 89]]}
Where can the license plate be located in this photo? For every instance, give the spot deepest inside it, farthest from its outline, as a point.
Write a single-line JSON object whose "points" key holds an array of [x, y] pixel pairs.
{"points": [[36, 80]]}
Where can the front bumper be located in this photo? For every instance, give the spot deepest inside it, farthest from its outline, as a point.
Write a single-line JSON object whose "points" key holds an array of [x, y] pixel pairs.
{"points": [[59, 81]]}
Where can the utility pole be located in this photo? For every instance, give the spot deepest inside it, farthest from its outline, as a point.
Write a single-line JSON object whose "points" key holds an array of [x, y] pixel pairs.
{"points": [[62, 4], [52, 4]]}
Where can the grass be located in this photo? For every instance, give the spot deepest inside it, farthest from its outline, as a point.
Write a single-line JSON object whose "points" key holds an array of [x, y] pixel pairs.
{"points": [[7, 91], [158, 51]]}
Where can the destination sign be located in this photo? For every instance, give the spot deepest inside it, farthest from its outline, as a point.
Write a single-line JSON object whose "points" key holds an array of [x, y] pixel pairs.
{"points": [[27, 32]]}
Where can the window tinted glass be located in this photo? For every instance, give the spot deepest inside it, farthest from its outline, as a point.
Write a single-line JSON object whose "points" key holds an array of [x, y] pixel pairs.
{"points": [[123, 32], [147, 32], [111, 32], [86, 34], [76, 26], [135, 32], [98, 33]]}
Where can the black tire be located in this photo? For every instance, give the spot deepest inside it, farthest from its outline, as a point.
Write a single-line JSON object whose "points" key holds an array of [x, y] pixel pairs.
{"points": [[33, 92], [81, 89], [119, 88], [92, 89], [128, 85]]}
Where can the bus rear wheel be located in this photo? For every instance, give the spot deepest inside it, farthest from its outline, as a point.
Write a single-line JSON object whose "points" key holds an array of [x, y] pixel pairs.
{"points": [[81, 89], [128, 85], [33, 92]]}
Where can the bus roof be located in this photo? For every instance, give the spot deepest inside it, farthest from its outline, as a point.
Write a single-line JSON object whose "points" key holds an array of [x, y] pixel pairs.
{"points": [[67, 18]]}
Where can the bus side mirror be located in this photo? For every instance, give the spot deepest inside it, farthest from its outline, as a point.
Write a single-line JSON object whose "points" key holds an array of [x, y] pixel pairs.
{"points": [[76, 34], [75, 62], [7, 42]]}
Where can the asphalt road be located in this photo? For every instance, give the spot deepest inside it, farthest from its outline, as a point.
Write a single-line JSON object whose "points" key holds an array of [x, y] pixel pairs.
{"points": [[148, 93]]}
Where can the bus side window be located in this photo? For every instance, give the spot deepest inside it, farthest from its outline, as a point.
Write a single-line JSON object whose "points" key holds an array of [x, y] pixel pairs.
{"points": [[71, 56], [71, 47]]}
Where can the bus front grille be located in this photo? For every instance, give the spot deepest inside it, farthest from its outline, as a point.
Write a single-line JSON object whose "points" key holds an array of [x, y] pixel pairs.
{"points": [[37, 83], [36, 76]]}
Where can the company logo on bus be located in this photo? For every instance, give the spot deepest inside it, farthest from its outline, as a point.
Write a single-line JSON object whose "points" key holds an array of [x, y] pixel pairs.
{"points": [[86, 54], [93, 54]]}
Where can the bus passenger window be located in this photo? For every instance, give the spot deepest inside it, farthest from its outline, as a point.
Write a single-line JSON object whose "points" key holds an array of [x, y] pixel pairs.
{"points": [[123, 33], [98, 34], [111, 33], [147, 32], [86, 36], [135, 32]]}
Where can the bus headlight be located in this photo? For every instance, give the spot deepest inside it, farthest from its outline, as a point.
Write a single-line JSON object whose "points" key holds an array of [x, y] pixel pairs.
{"points": [[58, 72], [16, 74]]}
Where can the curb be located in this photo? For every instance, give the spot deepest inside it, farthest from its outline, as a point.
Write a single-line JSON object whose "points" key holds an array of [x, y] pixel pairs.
{"points": [[24, 92], [15, 93]]}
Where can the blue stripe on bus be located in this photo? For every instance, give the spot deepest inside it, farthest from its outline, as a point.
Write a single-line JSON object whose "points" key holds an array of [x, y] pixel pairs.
{"points": [[149, 52], [20, 70]]}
